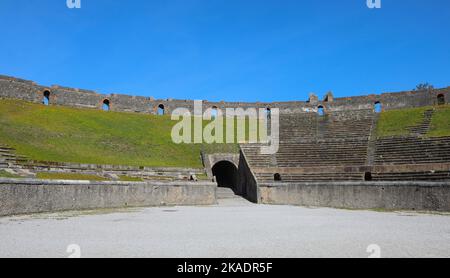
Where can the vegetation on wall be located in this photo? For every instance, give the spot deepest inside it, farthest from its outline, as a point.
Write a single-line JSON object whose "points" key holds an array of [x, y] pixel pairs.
{"points": [[440, 123], [4, 174], [64, 134], [398, 122], [69, 176]]}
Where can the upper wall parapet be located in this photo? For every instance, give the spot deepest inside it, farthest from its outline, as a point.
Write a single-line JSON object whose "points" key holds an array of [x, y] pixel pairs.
{"points": [[16, 88]]}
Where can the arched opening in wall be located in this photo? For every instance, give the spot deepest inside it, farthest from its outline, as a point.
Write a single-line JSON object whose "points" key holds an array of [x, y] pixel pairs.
{"points": [[378, 107], [268, 113], [161, 109], [46, 98], [320, 111], [106, 105], [277, 177], [226, 174], [441, 99], [214, 112], [368, 176]]}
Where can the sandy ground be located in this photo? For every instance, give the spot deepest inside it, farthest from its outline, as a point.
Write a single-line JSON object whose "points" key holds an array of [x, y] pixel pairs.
{"points": [[234, 228]]}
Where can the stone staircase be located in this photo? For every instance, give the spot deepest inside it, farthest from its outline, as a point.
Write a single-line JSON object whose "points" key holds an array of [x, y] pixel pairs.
{"points": [[326, 148], [412, 150], [412, 176], [227, 198], [25, 167], [225, 193], [310, 154], [11, 162], [424, 127], [312, 141]]}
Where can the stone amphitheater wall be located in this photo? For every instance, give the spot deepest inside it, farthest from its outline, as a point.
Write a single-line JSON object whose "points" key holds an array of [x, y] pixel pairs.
{"points": [[16, 88], [27, 196], [422, 196]]}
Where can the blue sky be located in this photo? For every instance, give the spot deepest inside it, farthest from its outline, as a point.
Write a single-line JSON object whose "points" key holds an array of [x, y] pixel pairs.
{"points": [[233, 50]]}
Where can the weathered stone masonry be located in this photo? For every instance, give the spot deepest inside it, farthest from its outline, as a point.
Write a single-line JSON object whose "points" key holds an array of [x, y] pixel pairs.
{"points": [[332, 151], [15, 88]]}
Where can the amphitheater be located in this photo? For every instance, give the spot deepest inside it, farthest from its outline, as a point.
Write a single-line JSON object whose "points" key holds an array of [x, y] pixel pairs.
{"points": [[334, 152]]}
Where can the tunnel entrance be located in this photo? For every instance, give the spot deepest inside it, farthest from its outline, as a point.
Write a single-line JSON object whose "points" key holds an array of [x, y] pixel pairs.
{"points": [[226, 174]]}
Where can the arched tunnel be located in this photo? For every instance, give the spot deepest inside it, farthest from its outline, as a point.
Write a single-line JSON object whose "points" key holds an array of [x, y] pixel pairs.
{"points": [[226, 174]]}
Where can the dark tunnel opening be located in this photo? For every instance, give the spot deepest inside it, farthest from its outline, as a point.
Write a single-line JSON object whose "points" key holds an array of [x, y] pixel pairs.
{"points": [[226, 174]]}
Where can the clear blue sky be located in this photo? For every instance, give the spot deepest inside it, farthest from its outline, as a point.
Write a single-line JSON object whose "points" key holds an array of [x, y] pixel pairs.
{"points": [[234, 50]]}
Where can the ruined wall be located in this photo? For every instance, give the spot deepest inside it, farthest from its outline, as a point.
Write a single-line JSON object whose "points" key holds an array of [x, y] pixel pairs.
{"points": [[247, 185], [428, 196], [27, 90], [35, 196]]}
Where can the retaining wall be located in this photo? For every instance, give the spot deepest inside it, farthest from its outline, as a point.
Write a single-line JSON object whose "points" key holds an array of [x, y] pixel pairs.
{"points": [[35, 196], [247, 185], [434, 196]]}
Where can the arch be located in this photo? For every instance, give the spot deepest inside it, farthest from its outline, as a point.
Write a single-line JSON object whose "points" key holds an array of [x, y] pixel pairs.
{"points": [[226, 174], [161, 110], [320, 110], [441, 99], [46, 97], [368, 176], [268, 112], [378, 107], [106, 105], [214, 112], [277, 177]]}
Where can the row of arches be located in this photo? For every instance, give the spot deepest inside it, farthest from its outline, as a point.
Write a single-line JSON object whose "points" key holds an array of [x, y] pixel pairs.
{"points": [[106, 107], [214, 110], [106, 103]]}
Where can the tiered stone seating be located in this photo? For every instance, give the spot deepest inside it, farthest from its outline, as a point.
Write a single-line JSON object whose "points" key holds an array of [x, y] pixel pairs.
{"points": [[412, 150], [114, 171], [12, 162], [26, 167], [310, 154], [338, 125], [8, 158], [412, 176], [312, 177], [344, 139], [423, 127], [309, 140]]}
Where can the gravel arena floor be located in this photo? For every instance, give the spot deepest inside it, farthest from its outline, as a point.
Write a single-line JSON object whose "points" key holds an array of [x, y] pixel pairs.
{"points": [[233, 228]]}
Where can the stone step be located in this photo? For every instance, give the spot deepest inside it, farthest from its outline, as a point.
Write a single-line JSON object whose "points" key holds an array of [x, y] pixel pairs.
{"points": [[411, 178], [225, 193]]}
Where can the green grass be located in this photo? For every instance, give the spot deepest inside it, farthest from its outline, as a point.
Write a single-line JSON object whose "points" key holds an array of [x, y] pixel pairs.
{"points": [[4, 174], [64, 134], [202, 177], [128, 178], [440, 123], [396, 122], [69, 176]]}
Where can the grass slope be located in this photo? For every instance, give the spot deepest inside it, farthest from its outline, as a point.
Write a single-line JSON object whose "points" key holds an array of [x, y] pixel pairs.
{"points": [[396, 122], [64, 134], [69, 176], [440, 124], [4, 174]]}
